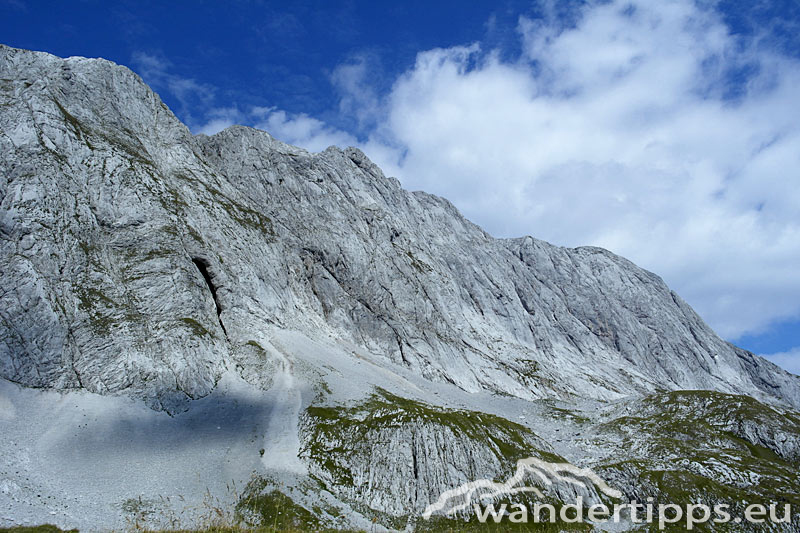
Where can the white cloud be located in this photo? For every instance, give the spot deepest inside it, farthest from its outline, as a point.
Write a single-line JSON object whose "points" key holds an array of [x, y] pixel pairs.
{"points": [[615, 133], [617, 130], [297, 129], [788, 360], [215, 125], [301, 130], [219, 118], [359, 97]]}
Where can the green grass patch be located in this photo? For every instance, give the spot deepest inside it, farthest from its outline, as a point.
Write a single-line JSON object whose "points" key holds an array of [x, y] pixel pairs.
{"points": [[337, 433], [197, 329], [690, 446], [277, 511]]}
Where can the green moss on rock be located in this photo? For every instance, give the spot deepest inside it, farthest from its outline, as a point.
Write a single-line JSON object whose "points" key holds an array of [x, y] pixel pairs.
{"points": [[195, 327], [689, 446], [381, 411], [264, 506]]}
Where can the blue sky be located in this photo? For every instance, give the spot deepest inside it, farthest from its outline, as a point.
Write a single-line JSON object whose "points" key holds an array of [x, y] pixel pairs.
{"points": [[668, 131]]}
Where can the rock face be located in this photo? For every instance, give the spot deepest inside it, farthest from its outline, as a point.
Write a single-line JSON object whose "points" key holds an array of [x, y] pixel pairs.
{"points": [[418, 446], [709, 447], [138, 259]]}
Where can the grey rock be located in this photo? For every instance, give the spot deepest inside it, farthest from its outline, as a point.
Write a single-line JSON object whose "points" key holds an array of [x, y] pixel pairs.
{"points": [[139, 260], [107, 199]]}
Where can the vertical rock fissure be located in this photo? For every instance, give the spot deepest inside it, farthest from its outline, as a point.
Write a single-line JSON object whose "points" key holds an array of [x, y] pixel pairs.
{"points": [[202, 266]]}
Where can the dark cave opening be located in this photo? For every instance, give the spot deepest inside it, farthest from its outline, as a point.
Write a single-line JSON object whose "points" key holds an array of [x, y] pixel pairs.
{"points": [[203, 265]]}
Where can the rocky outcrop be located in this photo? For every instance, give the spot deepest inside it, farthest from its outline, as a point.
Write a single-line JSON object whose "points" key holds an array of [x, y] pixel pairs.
{"points": [[139, 258], [397, 455], [702, 446]]}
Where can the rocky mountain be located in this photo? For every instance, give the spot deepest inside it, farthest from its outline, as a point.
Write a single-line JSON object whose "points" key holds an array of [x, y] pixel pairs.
{"points": [[180, 313]]}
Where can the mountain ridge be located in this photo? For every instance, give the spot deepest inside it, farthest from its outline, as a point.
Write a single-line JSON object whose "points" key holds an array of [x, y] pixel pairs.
{"points": [[138, 259], [247, 164]]}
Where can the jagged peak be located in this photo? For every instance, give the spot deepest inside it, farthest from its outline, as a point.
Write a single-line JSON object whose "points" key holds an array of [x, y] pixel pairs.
{"points": [[252, 137]]}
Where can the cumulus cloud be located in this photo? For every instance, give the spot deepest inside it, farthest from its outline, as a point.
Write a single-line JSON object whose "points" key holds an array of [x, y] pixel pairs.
{"points": [[297, 129], [359, 98], [300, 129], [788, 360], [197, 98], [643, 127], [219, 118]]}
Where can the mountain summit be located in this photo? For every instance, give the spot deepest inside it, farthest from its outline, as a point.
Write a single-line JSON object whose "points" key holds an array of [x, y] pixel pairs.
{"points": [[363, 344]]}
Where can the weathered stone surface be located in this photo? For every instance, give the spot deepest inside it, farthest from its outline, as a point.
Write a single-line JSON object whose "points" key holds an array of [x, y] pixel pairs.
{"points": [[398, 456], [137, 259], [703, 446], [110, 205]]}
